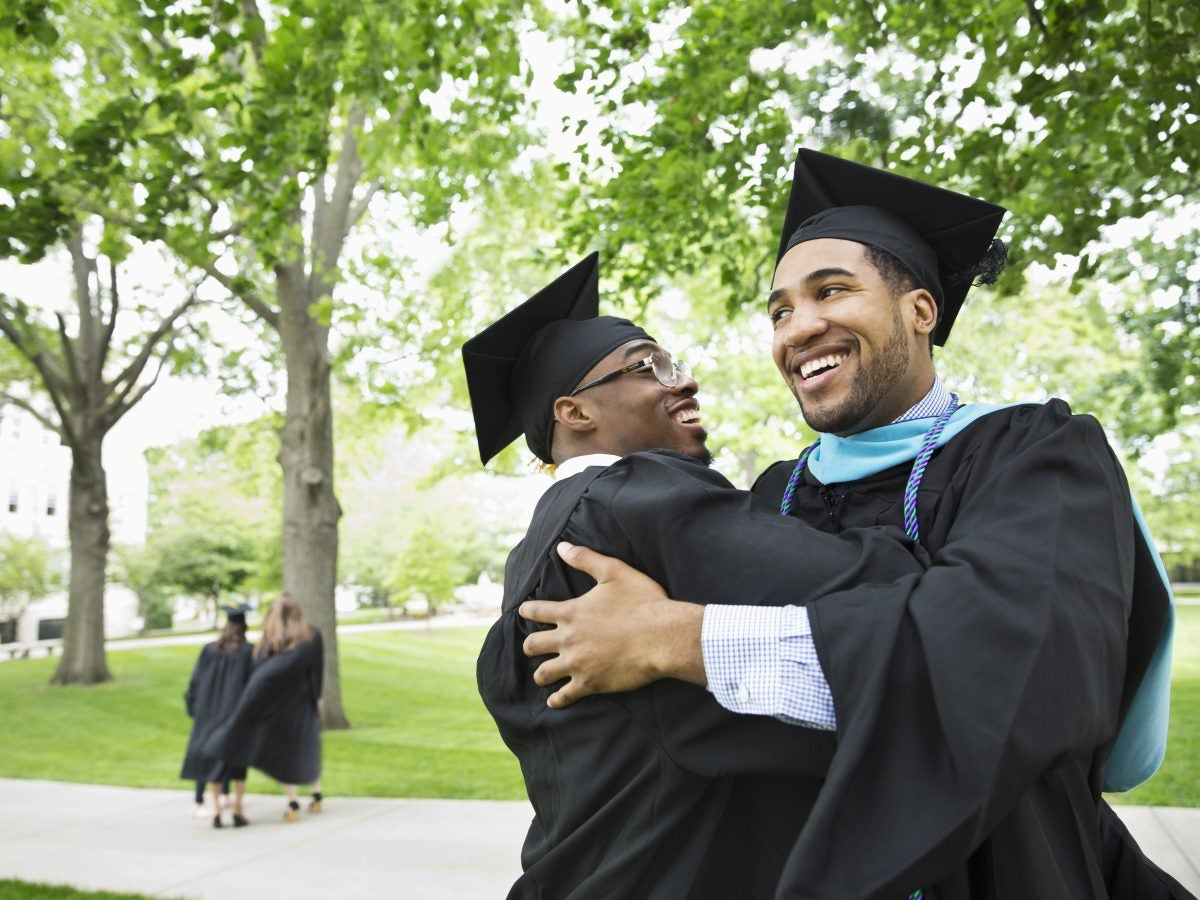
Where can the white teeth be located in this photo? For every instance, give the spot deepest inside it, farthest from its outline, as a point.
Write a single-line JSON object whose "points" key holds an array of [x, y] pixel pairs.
{"points": [[686, 416], [808, 369]]}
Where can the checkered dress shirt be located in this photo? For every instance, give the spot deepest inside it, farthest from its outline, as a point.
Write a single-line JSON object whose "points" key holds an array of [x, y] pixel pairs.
{"points": [[762, 660]]}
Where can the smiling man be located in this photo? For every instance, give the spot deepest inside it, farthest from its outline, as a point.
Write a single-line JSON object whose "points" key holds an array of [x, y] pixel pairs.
{"points": [[657, 792], [981, 706]]}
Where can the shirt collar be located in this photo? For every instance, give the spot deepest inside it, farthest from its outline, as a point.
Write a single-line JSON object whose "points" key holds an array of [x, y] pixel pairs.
{"points": [[577, 464], [933, 404]]}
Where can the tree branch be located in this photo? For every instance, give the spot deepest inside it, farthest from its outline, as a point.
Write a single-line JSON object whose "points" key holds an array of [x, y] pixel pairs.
{"points": [[125, 402], [83, 267], [335, 224], [256, 304], [1036, 17], [359, 208], [134, 370], [46, 423], [114, 301], [68, 351], [250, 11], [30, 346]]}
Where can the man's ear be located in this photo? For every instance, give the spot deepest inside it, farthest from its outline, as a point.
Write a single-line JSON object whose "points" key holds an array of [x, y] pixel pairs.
{"points": [[573, 414], [925, 312]]}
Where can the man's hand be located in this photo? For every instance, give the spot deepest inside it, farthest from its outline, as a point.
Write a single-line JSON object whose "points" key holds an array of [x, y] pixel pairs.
{"points": [[622, 634]]}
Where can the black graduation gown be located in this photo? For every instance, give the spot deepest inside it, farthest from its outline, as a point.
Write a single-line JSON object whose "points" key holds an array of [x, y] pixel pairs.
{"points": [[661, 793], [977, 702], [276, 727], [212, 695]]}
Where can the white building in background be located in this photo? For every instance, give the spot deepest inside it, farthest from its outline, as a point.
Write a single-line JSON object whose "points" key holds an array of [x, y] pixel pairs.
{"points": [[35, 478]]}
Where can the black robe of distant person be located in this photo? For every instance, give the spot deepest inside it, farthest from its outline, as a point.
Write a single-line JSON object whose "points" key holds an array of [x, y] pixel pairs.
{"points": [[659, 792], [977, 702], [212, 696], [276, 727]]}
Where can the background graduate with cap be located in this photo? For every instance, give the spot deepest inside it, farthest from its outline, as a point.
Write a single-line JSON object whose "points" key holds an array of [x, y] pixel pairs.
{"points": [[658, 792], [978, 705], [216, 686], [276, 725]]}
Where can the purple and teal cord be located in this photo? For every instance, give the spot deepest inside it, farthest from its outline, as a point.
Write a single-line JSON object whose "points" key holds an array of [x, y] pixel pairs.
{"points": [[928, 445]]}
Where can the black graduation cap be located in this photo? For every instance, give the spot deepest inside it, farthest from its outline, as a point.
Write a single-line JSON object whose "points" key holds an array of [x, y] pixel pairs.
{"points": [[941, 235], [520, 364], [236, 613]]}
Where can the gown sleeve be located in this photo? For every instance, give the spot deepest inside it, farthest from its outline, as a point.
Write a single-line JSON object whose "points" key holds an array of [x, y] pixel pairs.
{"points": [[189, 696], [316, 668], [687, 528], [958, 688]]}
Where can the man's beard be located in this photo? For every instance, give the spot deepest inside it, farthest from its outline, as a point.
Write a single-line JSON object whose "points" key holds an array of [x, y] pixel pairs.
{"points": [[872, 384]]}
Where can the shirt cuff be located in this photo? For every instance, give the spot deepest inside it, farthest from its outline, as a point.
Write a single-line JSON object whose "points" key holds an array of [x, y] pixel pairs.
{"points": [[761, 660]]}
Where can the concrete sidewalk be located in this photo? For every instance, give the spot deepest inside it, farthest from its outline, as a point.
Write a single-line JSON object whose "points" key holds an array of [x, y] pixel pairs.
{"points": [[147, 841]]}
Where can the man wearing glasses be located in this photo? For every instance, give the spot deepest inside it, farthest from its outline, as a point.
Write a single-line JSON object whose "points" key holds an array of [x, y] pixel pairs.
{"points": [[982, 706], [657, 792]]}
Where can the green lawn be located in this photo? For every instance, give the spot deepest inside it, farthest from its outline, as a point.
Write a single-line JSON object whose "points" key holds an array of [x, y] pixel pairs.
{"points": [[419, 727], [1177, 783], [27, 890]]}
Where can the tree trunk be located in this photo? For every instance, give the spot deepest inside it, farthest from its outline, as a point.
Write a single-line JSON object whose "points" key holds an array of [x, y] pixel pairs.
{"points": [[310, 508], [83, 660]]}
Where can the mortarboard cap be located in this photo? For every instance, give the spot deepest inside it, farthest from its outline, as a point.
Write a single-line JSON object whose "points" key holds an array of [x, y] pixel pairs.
{"points": [[941, 235], [520, 364], [236, 613]]}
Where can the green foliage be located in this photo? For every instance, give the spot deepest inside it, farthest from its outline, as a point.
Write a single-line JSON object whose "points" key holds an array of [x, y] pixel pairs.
{"points": [[138, 569], [214, 512], [11, 889], [420, 728], [27, 571], [202, 558], [424, 568], [159, 614], [1177, 783], [1074, 117]]}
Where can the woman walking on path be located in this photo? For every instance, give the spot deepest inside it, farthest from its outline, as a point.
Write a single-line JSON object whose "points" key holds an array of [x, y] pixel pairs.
{"points": [[276, 727], [216, 686]]}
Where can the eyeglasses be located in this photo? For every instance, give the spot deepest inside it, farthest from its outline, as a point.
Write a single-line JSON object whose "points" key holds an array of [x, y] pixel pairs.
{"points": [[665, 369]]}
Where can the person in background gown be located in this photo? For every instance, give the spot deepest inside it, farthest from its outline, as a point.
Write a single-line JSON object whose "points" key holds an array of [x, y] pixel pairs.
{"points": [[276, 727], [213, 693]]}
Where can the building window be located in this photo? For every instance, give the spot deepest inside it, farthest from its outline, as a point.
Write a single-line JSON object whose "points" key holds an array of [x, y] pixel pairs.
{"points": [[12, 501], [51, 504]]}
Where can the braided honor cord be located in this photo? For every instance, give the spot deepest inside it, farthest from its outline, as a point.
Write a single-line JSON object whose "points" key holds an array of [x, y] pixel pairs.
{"points": [[785, 505], [914, 477], [918, 470]]}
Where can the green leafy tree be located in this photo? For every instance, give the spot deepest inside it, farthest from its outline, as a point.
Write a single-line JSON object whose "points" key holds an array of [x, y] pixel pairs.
{"points": [[438, 557], [252, 139], [138, 569], [1074, 116], [221, 491], [204, 558], [27, 572], [81, 375]]}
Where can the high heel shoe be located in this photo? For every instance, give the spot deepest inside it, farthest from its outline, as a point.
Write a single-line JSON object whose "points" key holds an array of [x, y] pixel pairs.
{"points": [[315, 805], [217, 823], [239, 820], [293, 812]]}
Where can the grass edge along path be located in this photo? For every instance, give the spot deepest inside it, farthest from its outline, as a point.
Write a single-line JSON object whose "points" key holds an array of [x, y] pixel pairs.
{"points": [[420, 729], [12, 889]]}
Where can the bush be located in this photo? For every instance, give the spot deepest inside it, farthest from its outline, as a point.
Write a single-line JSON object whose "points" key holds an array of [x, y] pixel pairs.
{"points": [[159, 613]]}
